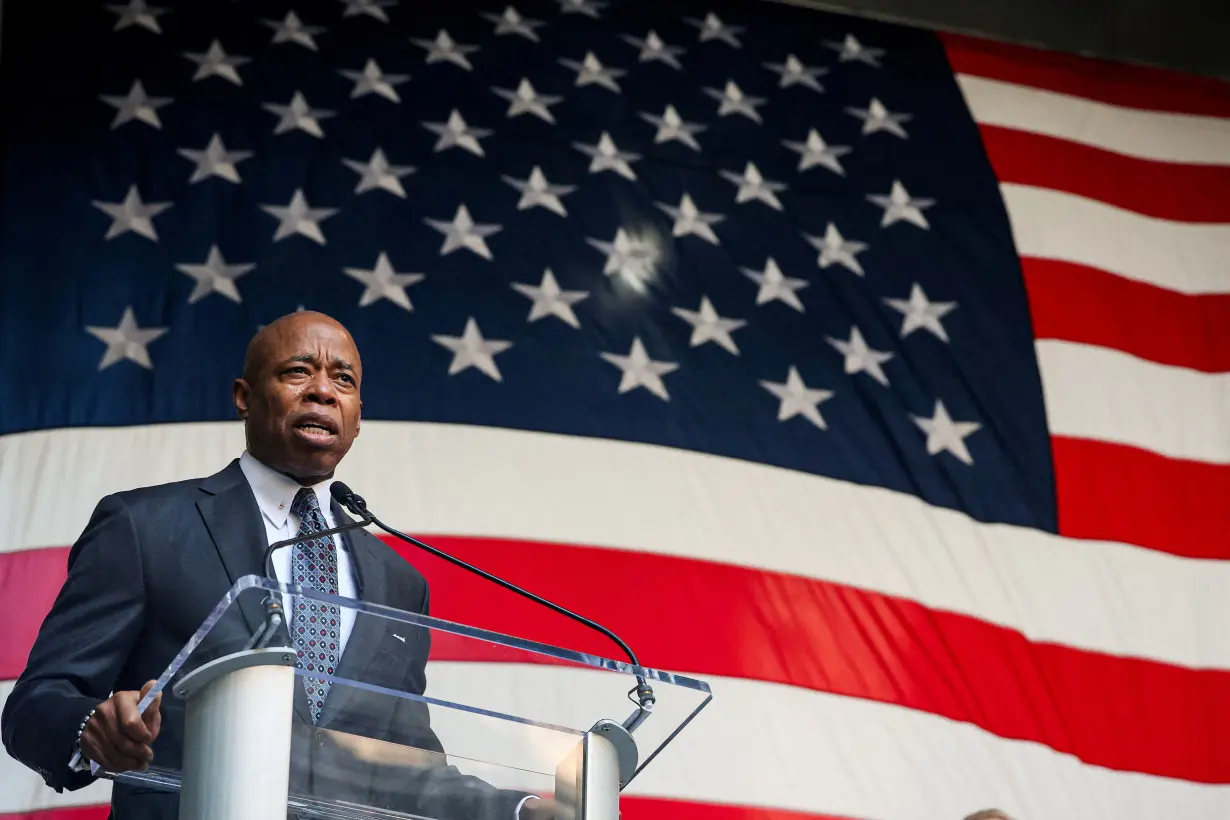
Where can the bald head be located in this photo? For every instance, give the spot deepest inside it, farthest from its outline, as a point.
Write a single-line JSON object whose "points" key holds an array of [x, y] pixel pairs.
{"points": [[299, 395], [269, 338]]}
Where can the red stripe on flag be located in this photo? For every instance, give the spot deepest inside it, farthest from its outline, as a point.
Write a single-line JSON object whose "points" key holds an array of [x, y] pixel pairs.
{"points": [[29, 582], [652, 808], [96, 812], [1113, 492], [732, 621], [1077, 303], [1164, 190], [737, 622], [630, 808], [1130, 86]]}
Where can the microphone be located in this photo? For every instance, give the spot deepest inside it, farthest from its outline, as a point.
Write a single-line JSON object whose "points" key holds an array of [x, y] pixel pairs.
{"points": [[274, 614], [643, 691]]}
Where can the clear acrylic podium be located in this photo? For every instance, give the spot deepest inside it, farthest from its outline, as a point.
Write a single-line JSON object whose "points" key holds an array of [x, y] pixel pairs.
{"points": [[495, 721]]}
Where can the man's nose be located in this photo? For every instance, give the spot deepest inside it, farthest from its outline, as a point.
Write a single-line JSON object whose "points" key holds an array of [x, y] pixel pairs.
{"points": [[322, 389]]}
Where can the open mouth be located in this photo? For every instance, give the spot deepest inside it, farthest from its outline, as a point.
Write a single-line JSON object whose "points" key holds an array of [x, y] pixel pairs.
{"points": [[316, 429]]}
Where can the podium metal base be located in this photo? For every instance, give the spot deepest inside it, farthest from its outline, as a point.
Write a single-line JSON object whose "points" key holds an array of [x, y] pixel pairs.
{"points": [[237, 736]]}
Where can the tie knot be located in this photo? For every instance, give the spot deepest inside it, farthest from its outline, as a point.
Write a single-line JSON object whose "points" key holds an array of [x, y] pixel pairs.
{"points": [[305, 503]]}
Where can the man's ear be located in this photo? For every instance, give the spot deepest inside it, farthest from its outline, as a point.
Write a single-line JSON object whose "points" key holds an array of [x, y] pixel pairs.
{"points": [[241, 392]]}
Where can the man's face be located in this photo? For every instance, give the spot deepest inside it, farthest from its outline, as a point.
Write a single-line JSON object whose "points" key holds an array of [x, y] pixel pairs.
{"points": [[301, 409]]}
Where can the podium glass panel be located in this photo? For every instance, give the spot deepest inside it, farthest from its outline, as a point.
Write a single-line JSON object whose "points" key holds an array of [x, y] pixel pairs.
{"points": [[420, 717]]}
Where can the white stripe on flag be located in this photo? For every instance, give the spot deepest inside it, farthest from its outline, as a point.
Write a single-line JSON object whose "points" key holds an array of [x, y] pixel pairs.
{"points": [[1153, 135], [1189, 258], [1107, 395], [459, 480]]}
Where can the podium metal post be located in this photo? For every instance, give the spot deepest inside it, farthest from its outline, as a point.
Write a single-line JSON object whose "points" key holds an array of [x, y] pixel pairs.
{"points": [[237, 736]]}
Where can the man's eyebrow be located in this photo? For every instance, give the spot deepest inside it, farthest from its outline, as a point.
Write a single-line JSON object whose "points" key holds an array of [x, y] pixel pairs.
{"points": [[307, 358]]}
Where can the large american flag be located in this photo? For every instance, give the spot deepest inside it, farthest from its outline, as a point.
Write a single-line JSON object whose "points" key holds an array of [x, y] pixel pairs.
{"points": [[878, 378]]}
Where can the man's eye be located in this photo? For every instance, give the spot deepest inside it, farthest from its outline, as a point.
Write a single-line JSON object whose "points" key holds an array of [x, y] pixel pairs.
{"points": [[347, 378]]}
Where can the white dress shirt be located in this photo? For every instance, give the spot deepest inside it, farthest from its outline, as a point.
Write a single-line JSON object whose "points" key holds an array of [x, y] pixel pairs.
{"points": [[274, 493]]}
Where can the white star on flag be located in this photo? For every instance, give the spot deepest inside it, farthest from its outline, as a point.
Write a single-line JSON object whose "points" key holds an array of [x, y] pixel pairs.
{"points": [[899, 206], [837, 250], [589, 8], [456, 133], [876, 117], [136, 106], [132, 215], [217, 63], [214, 276], [537, 191], [945, 434], [673, 127], [860, 358], [525, 100], [298, 217], [215, 160], [634, 261], [793, 72], [775, 285], [470, 349], [511, 22], [708, 326], [591, 71], [712, 28], [851, 50], [752, 185], [691, 221], [137, 13], [653, 49], [298, 115], [797, 399], [734, 101], [815, 152], [550, 300], [641, 371], [606, 157], [920, 312], [127, 340], [371, 80], [464, 232], [372, 8], [382, 282], [445, 49], [292, 30], [377, 173]]}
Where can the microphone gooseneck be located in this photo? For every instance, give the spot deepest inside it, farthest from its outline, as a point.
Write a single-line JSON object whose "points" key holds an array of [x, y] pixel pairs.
{"points": [[643, 691]]}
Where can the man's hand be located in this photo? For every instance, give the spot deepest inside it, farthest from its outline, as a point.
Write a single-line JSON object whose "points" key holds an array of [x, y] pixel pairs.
{"points": [[541, 809], [118, 737]]}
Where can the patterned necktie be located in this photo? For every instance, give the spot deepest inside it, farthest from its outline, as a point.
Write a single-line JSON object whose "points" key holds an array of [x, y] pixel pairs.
{"points": [[316, 626]]}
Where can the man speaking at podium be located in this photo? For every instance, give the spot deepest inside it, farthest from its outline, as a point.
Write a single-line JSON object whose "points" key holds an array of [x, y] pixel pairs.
{"points": [[153, 562]]}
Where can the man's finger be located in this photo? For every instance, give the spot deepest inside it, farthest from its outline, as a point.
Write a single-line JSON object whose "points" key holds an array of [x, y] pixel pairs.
{"points": [[112, 740], [128, 719], [112, 757], [153, 717]]}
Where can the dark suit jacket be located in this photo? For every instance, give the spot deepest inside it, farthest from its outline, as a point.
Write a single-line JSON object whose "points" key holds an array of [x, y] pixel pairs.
{"points": [[149, 567]]}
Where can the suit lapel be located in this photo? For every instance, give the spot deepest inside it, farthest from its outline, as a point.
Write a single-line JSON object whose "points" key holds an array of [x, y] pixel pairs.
{"points": [[233, 519], [371, 587]]}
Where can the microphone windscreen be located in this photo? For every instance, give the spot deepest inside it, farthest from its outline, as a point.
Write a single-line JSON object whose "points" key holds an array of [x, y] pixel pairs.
{"points": [[341, 493]]}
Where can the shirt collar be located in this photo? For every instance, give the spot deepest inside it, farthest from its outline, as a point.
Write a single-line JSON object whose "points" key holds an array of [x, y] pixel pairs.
{"points": [[274, 492]]}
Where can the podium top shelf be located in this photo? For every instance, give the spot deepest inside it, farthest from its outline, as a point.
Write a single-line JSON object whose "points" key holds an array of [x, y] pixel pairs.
{"points": [[499, 699]]}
